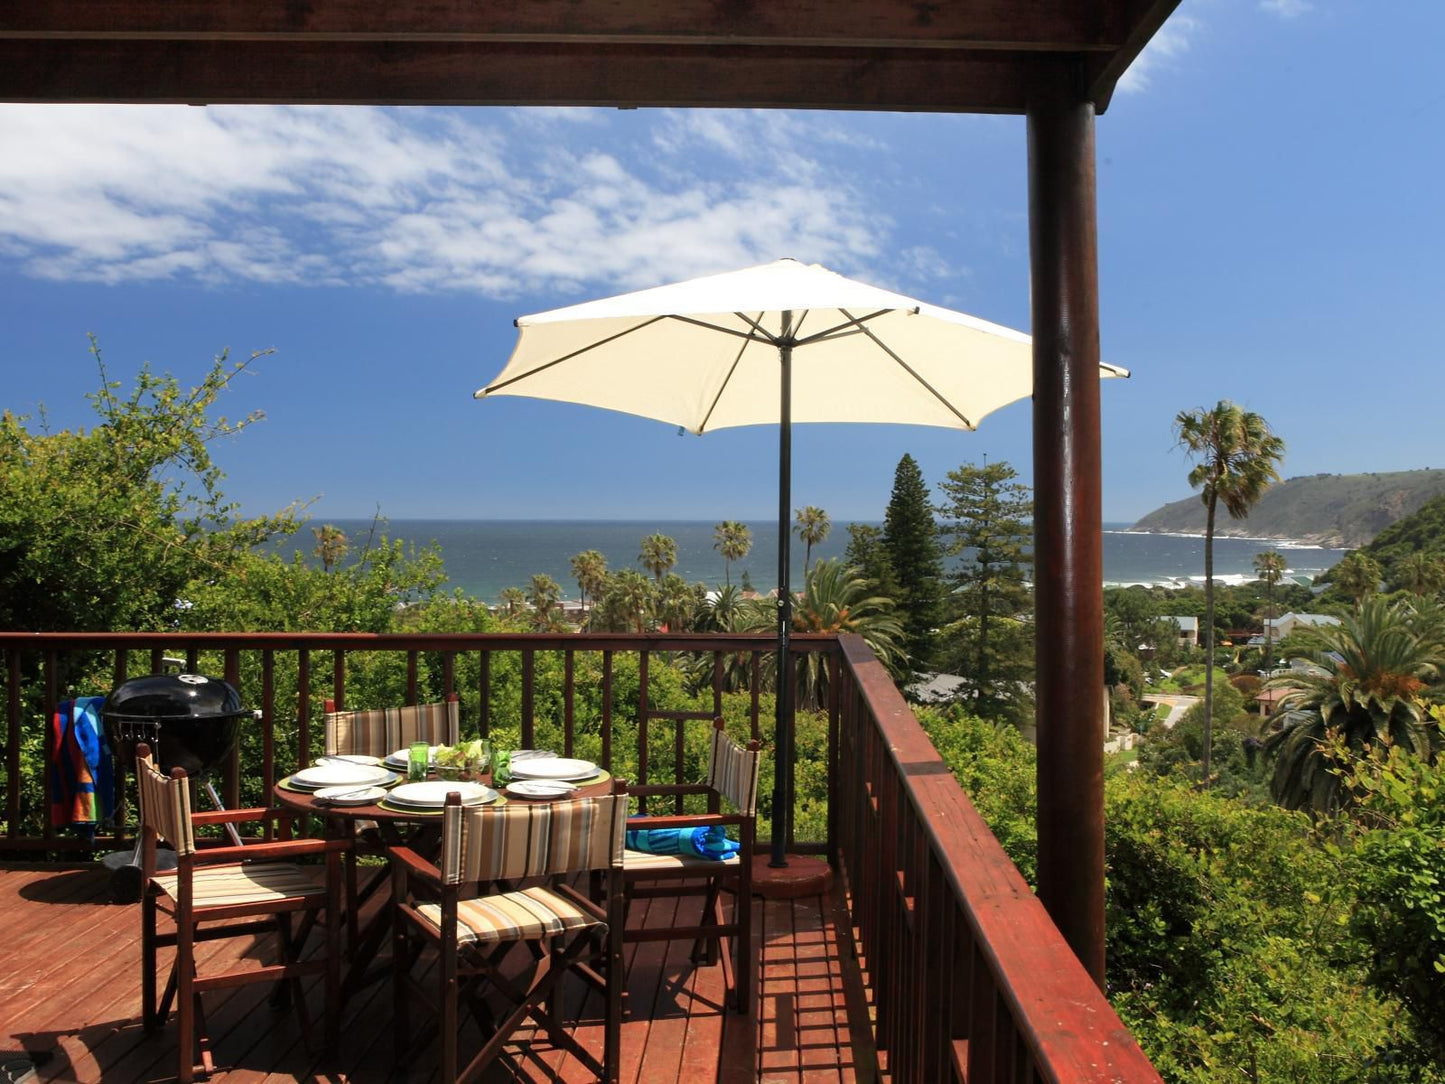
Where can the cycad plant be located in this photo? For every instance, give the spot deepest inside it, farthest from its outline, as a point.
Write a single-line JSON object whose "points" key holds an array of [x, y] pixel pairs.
{"points": [[1366, 695]]}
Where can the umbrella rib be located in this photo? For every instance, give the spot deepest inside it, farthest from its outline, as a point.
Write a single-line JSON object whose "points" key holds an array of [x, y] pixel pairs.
{"points": [[908, 369], [855, 322], [751, 336], [731, 369], [568, 357]]}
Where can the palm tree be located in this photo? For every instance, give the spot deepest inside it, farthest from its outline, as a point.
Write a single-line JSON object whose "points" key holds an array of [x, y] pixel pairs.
{"points": [[589, 569], [835, 599], [1423, 573], [631, 596], [1270, 566], [1357, 575], [678, 603], [514, 601], [331, 545], [1374, 665], [543, 595], [812, 527], [659, 554], [733, 540], [1237, 461]]}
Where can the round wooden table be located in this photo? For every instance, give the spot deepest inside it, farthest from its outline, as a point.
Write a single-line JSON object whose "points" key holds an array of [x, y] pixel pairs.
{"points": [[307, 802], [418, 829]]}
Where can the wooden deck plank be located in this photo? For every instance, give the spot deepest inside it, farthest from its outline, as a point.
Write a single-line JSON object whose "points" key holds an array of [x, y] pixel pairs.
{"points": [[70, 996]]}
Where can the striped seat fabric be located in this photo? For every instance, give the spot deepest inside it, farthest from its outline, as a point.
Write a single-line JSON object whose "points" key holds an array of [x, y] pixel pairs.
{"points": [[384, 730], [218, 886], [732, 771], [512, 916], [521, 841], [165, 806]]}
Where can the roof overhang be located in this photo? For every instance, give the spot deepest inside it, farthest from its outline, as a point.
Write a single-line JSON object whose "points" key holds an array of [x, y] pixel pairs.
{"points": [[965, 56]]}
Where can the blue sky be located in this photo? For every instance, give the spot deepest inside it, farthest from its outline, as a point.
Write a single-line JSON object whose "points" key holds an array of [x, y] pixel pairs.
{"points": [[1269, 222]]}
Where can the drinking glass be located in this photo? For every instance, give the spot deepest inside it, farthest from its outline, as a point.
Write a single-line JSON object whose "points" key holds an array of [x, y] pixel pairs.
{"points": [[418, 761]]}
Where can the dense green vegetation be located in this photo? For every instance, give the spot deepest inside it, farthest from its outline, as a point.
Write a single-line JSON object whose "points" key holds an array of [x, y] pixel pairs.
{"points": [[1330, 509], [1247, 942]]}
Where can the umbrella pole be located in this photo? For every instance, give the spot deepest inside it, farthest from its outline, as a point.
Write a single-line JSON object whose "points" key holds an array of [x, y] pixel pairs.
{"points": [[783, 723]]}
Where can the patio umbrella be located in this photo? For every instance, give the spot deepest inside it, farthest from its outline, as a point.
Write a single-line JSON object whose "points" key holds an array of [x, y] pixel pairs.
{"points": [[779, 343]]}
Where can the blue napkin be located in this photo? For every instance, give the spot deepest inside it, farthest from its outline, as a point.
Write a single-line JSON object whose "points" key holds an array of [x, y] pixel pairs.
{"points": [[708, 841]]}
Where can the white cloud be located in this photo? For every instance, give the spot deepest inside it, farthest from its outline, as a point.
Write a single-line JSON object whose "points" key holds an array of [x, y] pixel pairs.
{"points": [[497, 202], [1164, 49], [1286, 9]]}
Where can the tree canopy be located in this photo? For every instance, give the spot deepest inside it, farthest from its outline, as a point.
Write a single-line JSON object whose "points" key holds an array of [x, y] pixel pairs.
{"points": [[112, 528]]}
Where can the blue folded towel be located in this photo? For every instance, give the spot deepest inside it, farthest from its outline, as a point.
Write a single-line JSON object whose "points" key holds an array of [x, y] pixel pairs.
{"points": [[709, 841]]}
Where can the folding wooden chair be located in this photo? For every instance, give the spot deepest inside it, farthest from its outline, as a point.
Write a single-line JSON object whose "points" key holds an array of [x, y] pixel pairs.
{"points": [[499, 885], [378, 732], [732, 774], [230, 891]]}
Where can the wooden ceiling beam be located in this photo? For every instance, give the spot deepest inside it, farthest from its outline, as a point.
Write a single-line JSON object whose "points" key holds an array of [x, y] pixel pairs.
{"points": [[421, 73], [1144, 18], [1050, 25]]}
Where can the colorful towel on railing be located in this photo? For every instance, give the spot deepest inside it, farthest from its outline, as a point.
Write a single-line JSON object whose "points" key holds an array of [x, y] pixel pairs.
{"points": [[706, 841], [82, 783]]}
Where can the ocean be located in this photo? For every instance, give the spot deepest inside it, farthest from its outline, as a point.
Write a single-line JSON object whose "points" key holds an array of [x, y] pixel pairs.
{"points": [[483, 557]]}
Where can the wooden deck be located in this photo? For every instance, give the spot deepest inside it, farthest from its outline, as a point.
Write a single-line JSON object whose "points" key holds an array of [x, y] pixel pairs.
{"points": [[70, 1001]]}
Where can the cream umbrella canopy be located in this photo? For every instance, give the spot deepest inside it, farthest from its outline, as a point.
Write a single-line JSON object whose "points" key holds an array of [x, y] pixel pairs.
{"points": [[779, 343]]}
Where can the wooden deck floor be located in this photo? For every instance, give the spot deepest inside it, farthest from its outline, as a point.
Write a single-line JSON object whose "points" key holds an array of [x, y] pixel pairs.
{"points": [[70, 996]]}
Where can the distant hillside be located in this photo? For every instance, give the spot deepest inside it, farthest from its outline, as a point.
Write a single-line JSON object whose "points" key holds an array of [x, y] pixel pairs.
{"points": [[1423, 531], [1344, 510]]}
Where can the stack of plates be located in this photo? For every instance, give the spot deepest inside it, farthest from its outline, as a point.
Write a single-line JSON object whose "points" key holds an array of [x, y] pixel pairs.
{"points": [[350, 758], [398, 760], [541, 788], [433, 794], [553, 768], [341, 774]]}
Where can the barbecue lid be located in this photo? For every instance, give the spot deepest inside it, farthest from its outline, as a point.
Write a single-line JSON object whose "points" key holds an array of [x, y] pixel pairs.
{"points": [[173, 696]]}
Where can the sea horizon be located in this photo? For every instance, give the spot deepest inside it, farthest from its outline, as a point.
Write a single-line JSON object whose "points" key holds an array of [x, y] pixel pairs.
{"points": [[484, 556]]}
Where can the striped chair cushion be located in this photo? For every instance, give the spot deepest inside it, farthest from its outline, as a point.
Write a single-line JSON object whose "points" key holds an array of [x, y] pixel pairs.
{"points": [[215, 886], [520, 841], [733, 772], [634, 861], [385, 730], [165, 806], [512, 916]]}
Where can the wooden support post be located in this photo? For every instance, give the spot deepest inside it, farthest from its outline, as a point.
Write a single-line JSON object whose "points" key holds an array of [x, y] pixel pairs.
{"points": [[1068, 512]]}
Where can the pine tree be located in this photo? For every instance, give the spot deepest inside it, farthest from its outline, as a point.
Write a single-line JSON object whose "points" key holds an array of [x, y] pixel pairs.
{"points": [[910, 539], [867, 554], [988, 518]]}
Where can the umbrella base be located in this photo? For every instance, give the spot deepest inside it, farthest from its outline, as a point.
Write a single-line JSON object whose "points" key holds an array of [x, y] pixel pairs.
{"points": [[803, 876]]}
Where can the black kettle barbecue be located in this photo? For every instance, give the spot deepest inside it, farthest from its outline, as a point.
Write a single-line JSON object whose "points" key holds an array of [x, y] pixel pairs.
{"points": [[190, 721]]}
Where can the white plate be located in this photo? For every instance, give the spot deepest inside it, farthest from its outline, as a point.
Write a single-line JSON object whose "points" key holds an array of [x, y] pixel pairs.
{"points": [[432, 794], [337, 774], [350, 758], [553, 768], [541, 788], [351, 795]]}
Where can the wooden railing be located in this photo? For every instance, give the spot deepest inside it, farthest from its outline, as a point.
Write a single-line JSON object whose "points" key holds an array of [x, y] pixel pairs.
{"points": [[286, 678], [968, 977]]}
